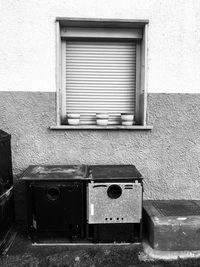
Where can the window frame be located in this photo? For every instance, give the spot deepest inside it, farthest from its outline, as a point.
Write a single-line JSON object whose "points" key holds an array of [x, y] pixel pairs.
{"points": [[135, 40], [141, 75]]}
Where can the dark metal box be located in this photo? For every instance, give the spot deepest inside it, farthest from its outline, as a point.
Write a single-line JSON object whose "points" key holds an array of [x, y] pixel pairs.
{"points": [[6, 175], [56, 200], [57, 207], [117, 233]]}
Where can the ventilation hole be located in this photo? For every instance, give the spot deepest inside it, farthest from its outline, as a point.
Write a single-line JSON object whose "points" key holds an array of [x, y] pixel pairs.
{"points": [[122, 219], [118, 219], [106, 219], [114, 191], [53, 193], [111, 219]]}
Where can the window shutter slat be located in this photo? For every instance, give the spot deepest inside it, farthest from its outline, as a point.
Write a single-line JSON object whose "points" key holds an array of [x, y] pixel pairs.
{"points": [[100, 77]]}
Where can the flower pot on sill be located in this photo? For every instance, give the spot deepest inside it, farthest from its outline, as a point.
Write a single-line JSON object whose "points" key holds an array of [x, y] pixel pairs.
{"points": [[102, 115], [127, 116], [127, 119], [73, 118], [73, 121], [102, 122], [73, 115], [127, 123], [102, 119]]}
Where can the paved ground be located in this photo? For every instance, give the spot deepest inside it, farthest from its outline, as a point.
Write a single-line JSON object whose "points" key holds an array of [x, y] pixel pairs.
{"points": [[22, 253]]}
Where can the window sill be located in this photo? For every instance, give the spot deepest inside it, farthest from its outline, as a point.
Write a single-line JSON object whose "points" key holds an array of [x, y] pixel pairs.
{"points": [[95, 127]]}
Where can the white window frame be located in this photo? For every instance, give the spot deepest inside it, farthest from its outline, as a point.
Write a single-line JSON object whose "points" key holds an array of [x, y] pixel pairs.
{"points": [[100, 28]]}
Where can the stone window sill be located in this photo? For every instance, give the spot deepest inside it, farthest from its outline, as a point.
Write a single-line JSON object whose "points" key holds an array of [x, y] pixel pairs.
{"points": [[95, 127]]}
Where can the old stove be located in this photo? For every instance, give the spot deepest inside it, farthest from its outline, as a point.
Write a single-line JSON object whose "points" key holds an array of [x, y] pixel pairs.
{"points": [[97, 203], [114, 203]]}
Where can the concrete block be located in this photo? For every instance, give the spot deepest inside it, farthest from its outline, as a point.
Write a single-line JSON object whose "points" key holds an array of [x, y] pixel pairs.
{"points": [[172, 225]]}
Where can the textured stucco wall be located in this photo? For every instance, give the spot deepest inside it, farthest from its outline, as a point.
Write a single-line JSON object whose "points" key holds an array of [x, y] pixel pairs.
{"points": [[27, 47], [168, 156]]}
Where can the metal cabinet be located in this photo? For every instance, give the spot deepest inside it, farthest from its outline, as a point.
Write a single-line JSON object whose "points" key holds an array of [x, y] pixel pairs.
{"points": [[56, 201], [6, 190], [98, 203], [6, 174], [114, 203], [57, 207]]}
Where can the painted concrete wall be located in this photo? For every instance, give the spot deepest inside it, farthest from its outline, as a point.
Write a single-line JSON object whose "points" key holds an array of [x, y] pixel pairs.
{"points": [[169, 155], [27, 47]]}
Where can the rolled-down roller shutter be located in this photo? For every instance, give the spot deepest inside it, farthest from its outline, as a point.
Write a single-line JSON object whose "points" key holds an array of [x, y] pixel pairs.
{"points": [[99, 77]]}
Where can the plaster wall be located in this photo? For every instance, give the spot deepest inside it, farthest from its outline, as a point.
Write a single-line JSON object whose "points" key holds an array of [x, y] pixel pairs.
{"points": [[168, 156], [27, 47]]}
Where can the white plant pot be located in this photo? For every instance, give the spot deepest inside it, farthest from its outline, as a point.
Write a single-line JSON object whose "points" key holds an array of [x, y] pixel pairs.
{"points": [[127, 117], [127, 123], [102, 115], [73, 116], [73, 121], [102, 122]]}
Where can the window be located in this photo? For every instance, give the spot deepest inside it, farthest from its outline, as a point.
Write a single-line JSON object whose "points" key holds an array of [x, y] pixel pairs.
{"points": [[101, 69]]}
